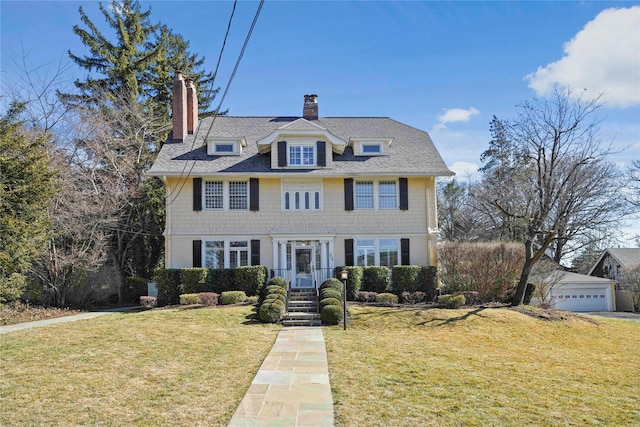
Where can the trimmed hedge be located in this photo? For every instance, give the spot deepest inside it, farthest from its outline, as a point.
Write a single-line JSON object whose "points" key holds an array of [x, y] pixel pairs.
{"points": [[232, 297], [414, 278], [275, 296], [192, 279], [364, 296], [330, 301], [452, 300], [274, 281], [250, 279], [332, 283], [220, 280], [386, 299], [375, 279], [330, 293], [354, 280], [271, 311], [190, 299], [331, 315], [168, 283]]}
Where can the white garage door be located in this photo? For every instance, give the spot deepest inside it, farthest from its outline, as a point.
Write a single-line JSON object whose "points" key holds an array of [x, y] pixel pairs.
{"points": [[577, 299]]}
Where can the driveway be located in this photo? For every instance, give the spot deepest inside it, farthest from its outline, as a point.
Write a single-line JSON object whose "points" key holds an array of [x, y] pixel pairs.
{"points": [[615, 315]]}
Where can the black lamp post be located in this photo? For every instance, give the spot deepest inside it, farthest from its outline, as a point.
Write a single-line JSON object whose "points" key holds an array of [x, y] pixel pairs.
{"points": [[344, 275]]}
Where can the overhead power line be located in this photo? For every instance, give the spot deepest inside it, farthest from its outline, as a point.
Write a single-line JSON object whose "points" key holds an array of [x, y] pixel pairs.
{"points": [[224, 95]]}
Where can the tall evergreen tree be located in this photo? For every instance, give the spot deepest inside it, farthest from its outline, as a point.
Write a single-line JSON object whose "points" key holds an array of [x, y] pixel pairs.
{"points": [[26, 190]]}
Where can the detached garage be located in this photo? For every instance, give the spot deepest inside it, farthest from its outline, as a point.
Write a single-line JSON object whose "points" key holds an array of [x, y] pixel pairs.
{"points": [[575, 292]]}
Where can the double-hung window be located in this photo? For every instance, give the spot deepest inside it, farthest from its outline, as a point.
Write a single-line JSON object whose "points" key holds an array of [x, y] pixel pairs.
{"points": [[364, 195], [302, 155], [225, 195], [387, 195]]}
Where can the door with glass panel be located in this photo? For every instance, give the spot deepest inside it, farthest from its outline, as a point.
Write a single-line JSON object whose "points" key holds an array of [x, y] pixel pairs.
{"points": [[303, 267]]}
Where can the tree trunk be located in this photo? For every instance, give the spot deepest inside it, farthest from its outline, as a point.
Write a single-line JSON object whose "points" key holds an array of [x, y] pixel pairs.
{"points": [[518, 296]]}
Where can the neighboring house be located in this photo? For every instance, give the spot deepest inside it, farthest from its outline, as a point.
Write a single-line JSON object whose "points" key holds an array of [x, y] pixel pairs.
{"points": [[299, 195], [613, 261], [575, 292], [612, 264]]}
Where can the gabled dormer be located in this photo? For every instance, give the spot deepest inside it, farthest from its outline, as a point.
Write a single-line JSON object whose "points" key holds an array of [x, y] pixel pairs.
{"points": [[225, 146], [370, 146], [301, 144]]}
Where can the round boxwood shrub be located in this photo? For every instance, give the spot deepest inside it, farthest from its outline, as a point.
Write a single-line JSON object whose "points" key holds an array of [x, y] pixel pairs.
{"points": [[452, 300], [330, 293], [332, 283], [279, 281], [274, 289], [271, 311], [331, 314], [190, 299], [387, 299], [330, 301], [274, 297], [232, 297]]}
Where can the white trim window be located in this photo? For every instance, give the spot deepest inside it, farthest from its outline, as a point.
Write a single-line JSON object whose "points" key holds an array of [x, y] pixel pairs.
{"points": [[226, 195], [383, 252], [376, 195], [301, 154], [228, 253]]}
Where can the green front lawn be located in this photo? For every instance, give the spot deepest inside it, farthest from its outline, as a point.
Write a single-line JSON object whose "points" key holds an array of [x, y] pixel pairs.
{"points": [[160, 367], [482, 367]]}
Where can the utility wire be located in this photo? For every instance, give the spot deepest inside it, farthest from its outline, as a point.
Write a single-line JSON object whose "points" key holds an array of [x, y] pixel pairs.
{"points": [[209, 91], [224, 95]]}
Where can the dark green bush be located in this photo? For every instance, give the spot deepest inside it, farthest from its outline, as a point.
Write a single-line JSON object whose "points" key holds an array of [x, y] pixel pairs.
{"points": [[220, 280], [209, 298], [274, 281], [375, 279], [275, 296], [232, 297], [168, 283], [404, 278], [249, 279], [330, 293], [135, 287], [191, 278], [190, 299], [354, 280], [330, 301], [386, 299], [271, 311], [451, 300], [428, 282], [332, 284], [331, 314]]}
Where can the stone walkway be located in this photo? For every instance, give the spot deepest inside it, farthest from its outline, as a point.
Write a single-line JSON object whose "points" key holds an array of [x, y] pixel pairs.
{"points": [[292, 386]]}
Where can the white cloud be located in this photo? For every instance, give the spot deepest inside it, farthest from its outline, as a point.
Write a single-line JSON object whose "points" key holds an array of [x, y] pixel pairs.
{"points": [[465, 170], [604, 57], [455, 115]]}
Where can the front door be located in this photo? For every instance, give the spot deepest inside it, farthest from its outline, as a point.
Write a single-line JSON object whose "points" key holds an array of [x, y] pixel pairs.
{"points": [[303, 268]]}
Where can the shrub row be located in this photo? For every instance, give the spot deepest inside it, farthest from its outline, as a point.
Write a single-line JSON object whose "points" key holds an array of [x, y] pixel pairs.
{"points": [[400, 279], [331, 310], [171, 283]]}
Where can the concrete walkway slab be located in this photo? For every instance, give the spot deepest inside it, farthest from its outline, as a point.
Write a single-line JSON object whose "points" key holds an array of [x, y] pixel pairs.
{"points": [[291, 387]]}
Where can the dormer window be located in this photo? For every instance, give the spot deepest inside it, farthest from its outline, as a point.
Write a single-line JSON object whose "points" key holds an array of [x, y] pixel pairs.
{"points": [[301, 155], [225, 146], [371, 149]]}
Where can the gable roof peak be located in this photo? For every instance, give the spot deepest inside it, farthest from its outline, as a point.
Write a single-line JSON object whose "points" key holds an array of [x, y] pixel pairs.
{"points": [[301, 124]]}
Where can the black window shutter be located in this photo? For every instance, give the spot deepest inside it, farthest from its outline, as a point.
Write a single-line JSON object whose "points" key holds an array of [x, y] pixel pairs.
{"points": [[254, 194], [348, 194], [404, 194], [404, 252], [348, 252], [255, 252], [322, 153], [197, 253], [197, 194], [282, 153]]}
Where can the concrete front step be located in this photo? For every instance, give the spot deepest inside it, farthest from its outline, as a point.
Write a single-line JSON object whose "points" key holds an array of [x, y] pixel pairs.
{"points": [[302, 308]]}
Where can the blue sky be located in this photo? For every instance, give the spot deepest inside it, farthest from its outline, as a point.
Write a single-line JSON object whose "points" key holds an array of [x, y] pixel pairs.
{"points": [[444, 67]]}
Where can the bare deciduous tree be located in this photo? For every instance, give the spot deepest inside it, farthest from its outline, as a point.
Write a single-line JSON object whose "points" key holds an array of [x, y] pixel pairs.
{"points": [[548, 175]]}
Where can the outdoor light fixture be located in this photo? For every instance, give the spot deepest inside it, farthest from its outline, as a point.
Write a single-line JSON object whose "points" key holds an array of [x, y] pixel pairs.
{"points": [[344, 275]]}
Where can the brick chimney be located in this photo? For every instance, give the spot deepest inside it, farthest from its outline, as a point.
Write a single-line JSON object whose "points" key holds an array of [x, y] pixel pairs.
{"points": [[192, 107], [179, 107], [310, 110]]}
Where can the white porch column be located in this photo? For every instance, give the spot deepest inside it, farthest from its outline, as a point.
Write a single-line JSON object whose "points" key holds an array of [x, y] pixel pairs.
{"points": [[324, 262], [331, 256], [275, 253], [283, 255]]}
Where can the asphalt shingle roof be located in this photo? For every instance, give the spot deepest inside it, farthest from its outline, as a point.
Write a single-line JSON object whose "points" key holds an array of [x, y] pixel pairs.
{"points": [[412, 152]]}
